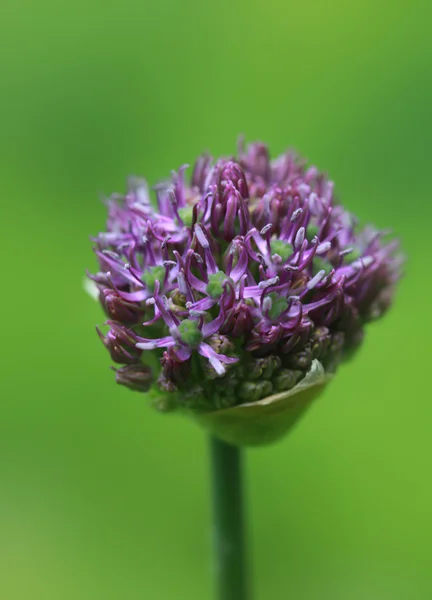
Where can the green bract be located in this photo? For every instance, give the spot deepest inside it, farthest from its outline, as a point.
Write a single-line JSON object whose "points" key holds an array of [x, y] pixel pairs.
{"points": [[263, 421]]}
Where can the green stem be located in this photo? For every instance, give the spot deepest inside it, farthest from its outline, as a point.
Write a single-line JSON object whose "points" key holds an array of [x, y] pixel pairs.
{"points": [[228, 518]]}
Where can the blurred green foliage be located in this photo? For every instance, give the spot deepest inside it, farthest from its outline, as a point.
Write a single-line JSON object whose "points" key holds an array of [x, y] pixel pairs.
{"points": [[103, 498]]}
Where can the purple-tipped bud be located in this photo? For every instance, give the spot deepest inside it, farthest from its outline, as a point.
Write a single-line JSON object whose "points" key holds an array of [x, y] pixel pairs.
{"points": [[256, 161], [239, 321], [119, 309], [121, 344], [173, 371], [136, 377], [232, 173]]}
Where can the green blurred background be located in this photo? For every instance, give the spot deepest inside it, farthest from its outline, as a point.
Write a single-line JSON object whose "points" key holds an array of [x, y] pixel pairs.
{"points": [[103, 498]]}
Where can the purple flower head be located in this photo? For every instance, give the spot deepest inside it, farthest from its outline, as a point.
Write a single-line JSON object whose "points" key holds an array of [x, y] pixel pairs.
{"points": [[236, 279]]}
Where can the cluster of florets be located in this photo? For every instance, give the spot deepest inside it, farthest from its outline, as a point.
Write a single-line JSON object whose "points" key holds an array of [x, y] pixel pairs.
{"points": [[240, 277]]}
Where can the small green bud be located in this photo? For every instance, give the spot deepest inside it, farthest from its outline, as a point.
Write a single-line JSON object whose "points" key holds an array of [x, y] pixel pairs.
{"points": [[224, 386], [320, 264], [256, 368], [312, 231], [251, 392], [215, 285], [320, 341], [279, 305], [300, 360], [195, 398], [284, 249], [223, 400], [264, 367], [337, 342], [266, 388], [335, 352], [286, 379], [186, 215], [165, 402], [190, 333], [152, 275], [220, 343], [248, 392], [353, 256], [178, 301]]}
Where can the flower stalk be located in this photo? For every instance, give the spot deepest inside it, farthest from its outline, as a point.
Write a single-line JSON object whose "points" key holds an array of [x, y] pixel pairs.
{"points": [[230, 566]]}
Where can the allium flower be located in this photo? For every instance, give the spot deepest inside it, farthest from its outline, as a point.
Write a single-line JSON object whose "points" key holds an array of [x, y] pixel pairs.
{"points": [[241, 291]]}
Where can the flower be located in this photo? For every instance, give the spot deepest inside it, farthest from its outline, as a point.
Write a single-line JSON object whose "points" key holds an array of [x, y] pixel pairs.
{"points": [[243, 283]]}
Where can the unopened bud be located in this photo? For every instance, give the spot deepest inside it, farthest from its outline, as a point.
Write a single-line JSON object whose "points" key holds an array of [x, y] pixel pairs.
{"points": [[119, 309], [286, 379], [300, 360], [190, 333], [136, 377], [220, 344], [264, 367], [283, 249], [320, 341], [120, 343], [178, 300], [215, 286], [252, 391]]}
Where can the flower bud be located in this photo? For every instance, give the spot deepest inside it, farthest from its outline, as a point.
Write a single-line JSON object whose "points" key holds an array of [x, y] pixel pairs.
{"points": [[320, 341], [178, 300], [137, 377], [174, 371], [286, 379], [190, 333], [239, 321], [335, 352], [257, 161], [264, 367], [232, 172], [221, 344], [251, 391], [154, 274], [300, 360], [120, 343], [119, 309], [215, 286], [283, 249]]}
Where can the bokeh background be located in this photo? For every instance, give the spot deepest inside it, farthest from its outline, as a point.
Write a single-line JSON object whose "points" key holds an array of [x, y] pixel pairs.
{"points": [[102, 498]]}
